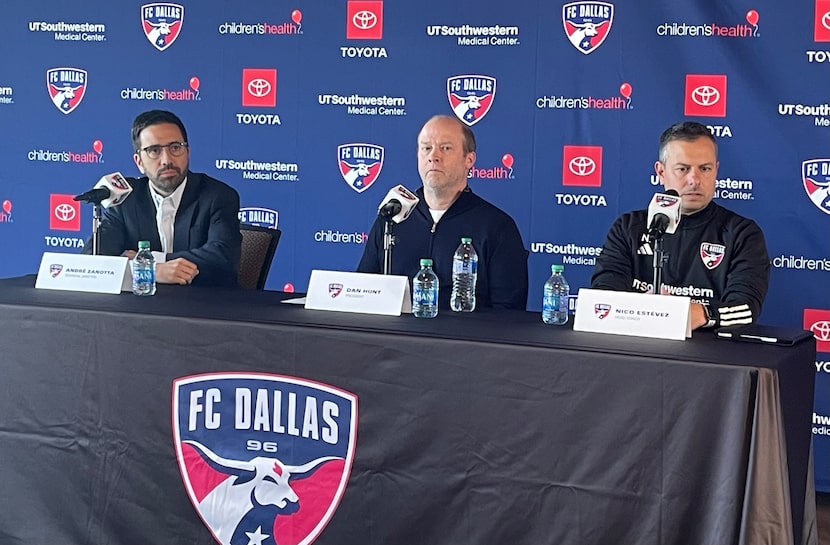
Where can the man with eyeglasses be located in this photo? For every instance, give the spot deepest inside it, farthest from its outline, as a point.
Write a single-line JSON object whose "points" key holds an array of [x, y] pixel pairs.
{"points": [[190, 219]]}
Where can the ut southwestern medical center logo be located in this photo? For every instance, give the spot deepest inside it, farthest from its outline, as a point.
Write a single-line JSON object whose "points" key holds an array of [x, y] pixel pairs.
{"points": [[471, 96], [360, 164], [162, 23], [587, 24], [66, 87], [815, 174], [265, 458]]}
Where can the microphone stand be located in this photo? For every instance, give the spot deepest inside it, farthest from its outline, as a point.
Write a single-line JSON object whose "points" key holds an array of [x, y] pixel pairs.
{"points": [[659, 259], [388, 242], [96, 226]]}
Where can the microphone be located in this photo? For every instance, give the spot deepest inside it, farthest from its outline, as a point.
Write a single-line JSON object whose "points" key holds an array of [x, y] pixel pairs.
{"points": [[398, 204], [111, 190], [663, 214]]}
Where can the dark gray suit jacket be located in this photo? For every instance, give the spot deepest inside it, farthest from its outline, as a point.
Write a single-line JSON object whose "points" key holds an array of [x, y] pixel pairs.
{"points": [[206, 230]]}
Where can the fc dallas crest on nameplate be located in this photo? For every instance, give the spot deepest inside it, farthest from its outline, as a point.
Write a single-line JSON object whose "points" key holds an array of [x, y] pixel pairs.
{"points": [[264, 458]]}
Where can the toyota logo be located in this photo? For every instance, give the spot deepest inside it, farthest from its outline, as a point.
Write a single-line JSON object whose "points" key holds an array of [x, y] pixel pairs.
{"points": [[582, 166], [65, 212], [259, 87], [705, 95], [821, 330], [364, 20], [825, 20]]}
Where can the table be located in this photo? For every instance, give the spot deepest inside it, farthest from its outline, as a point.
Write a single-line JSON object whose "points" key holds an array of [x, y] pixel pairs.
{"points": [[483, 428]]}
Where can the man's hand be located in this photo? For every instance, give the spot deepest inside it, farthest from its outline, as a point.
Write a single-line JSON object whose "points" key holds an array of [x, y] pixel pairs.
{"points": [[698, 316], [129, 254], [177, 271]]}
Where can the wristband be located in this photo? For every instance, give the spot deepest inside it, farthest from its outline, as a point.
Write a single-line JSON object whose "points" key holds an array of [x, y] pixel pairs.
{"points": [[709, 320]]}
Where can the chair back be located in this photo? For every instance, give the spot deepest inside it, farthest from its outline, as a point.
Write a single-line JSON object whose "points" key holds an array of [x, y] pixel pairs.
{"points": [[258, 247]]}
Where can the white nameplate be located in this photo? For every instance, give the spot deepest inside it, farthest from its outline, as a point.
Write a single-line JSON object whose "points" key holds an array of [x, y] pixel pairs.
{"points": [[637, 314], [79, 272], [358, 292]]}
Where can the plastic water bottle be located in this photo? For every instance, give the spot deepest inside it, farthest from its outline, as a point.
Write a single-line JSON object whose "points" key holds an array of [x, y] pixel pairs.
{"points": [[144, 270], [464, 274], [425, 292], [555, 302]]}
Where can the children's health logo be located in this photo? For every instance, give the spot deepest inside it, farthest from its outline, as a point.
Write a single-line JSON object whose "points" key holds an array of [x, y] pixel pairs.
{"points": [[504, 172], [164, 93], [66, 87], [162, 23], [6, 212], [264, 458]]}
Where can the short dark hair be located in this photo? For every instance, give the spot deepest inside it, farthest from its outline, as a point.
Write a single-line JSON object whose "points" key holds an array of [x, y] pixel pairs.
{"points": [[687, 131], [469, 145], [154, 117]]}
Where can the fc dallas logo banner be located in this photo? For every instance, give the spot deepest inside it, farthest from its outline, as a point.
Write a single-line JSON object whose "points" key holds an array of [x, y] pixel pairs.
{"points": [[265, 458]]}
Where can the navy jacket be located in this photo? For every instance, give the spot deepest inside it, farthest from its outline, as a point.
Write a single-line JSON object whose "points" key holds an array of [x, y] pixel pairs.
{"points": [[502, 258], [206, 230]]}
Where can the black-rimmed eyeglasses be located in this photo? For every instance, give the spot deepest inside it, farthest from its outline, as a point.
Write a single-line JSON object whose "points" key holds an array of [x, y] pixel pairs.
{"points": [[173, 148]]}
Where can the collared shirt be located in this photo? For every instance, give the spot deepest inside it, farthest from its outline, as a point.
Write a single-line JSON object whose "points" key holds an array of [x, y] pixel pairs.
{"points": [[166, 209]]}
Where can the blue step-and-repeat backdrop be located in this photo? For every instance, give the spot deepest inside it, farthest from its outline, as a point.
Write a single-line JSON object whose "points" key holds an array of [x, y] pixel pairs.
{"points": [[311, 111]]}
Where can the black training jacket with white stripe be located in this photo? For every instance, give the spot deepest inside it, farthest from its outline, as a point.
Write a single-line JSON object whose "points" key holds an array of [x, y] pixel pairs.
{"points": [[716, 257]]}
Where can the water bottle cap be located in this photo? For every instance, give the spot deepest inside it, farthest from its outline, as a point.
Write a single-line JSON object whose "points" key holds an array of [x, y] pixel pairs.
{"points": [[143, 244], [466, 240], [426, 263], [557, 268]]}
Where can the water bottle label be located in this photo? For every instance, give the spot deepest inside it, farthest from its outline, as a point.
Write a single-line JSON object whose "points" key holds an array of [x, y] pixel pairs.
{"points": [[142, 275], [424, 296], [462, 267], [550, 303]]}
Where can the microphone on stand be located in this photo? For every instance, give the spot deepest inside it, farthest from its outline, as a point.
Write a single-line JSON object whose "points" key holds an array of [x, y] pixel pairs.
{"points": [[398, 204], [395, 208], [663, 217], [663, 214], [111, 190]]}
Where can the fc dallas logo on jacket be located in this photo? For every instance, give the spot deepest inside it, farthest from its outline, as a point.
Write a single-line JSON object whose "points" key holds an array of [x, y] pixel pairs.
{"points": [[711, 254], [265, 458]]}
